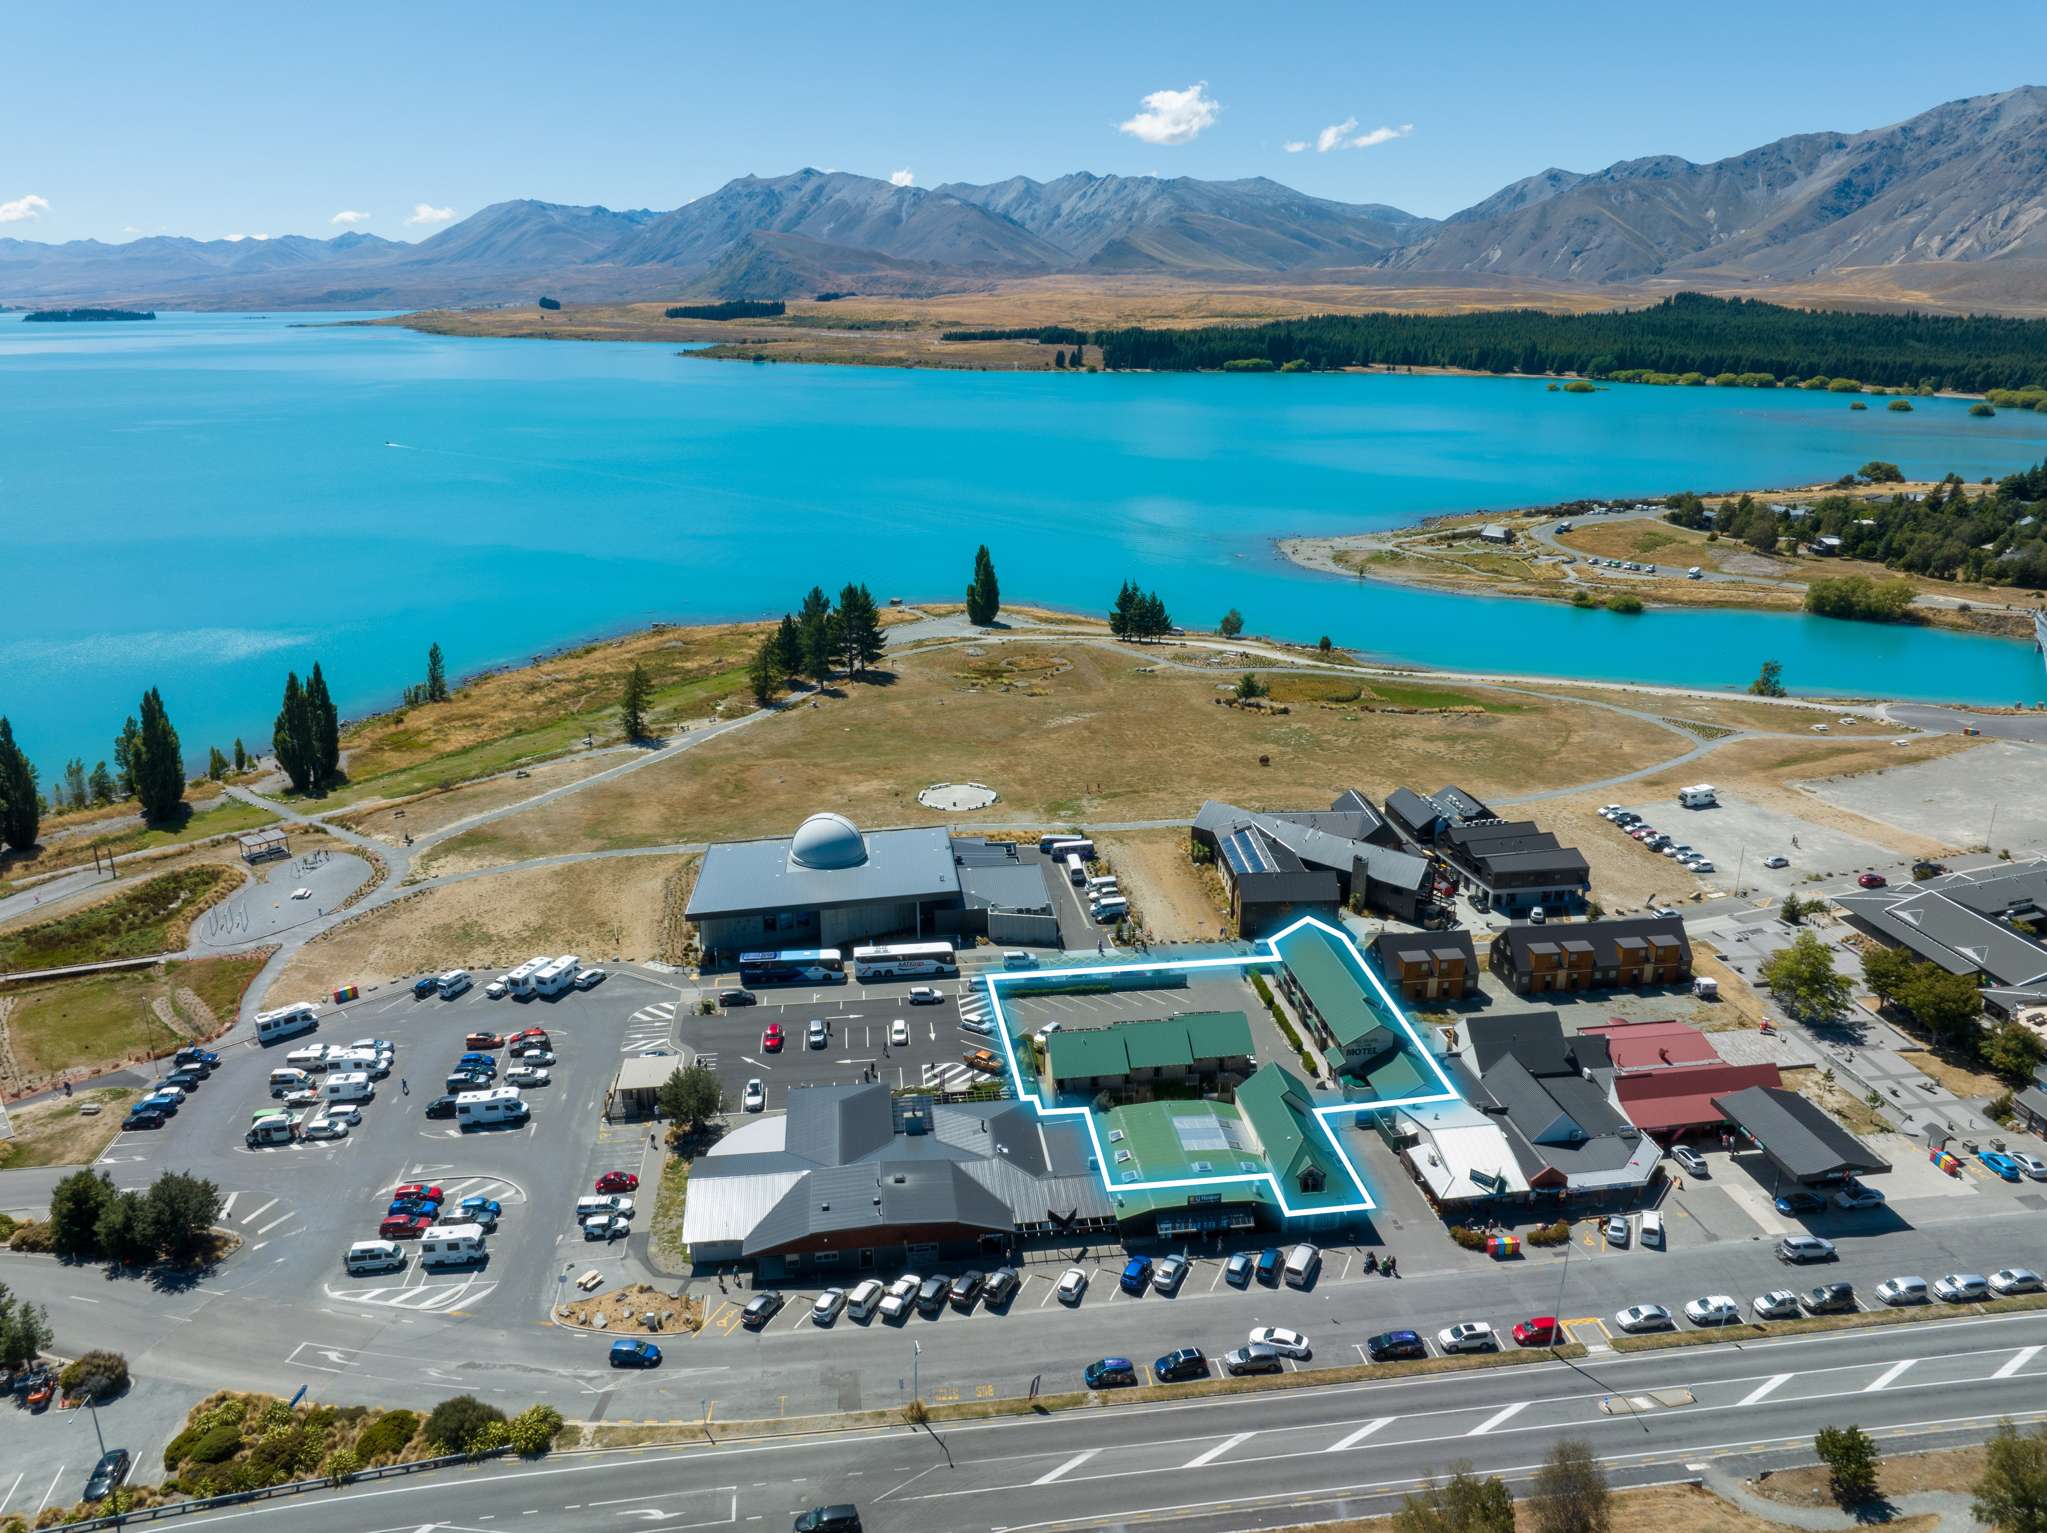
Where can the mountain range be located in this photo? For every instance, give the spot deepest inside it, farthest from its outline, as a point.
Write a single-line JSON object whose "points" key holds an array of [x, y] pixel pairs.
{"points": [[1958, 188]]}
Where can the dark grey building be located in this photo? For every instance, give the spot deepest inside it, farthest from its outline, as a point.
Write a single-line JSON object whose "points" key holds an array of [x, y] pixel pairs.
{"points": [[1803, 1143], [1968, 924], [1279, 865], [1514, 865]]}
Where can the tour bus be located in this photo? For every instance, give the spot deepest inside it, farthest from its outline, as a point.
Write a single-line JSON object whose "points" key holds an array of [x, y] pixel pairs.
{"points": [[451, 1245], [286, 1022], [1076, 869], [794, 966], [557, 975], [500, 1104], [520, 980], [1058, 848], [906, 960]]}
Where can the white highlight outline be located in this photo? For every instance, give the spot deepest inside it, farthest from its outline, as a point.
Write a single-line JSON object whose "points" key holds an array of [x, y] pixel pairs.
{"points": [[1324, 1116]]}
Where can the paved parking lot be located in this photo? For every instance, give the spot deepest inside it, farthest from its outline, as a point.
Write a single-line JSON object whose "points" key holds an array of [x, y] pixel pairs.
{"points": [[1738, 835]]}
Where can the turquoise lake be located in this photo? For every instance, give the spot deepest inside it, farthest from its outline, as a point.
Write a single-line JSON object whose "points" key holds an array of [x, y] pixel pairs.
{"points": [[203, 502]]}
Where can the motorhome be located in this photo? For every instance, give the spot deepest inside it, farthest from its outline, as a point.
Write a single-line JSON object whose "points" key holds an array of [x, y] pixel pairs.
{"points": [[519, 982], [312, 1057], [286, 1022], [451, 1245], [479, 1109], [273, 1130], [348, 1086], [1115, 908], [1699, 796], [365, 1061], [288, 1078], [558, 975]]}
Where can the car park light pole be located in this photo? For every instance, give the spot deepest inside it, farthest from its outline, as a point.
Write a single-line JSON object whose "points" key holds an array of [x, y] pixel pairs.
{"points": [[916, 1383]]}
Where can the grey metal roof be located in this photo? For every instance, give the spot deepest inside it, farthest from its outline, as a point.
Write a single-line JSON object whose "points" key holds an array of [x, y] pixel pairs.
{"points": [[1456, 804], [1951, 924], [1412, 810], [1797, 1134], [995, 875], [747, 877], [833, 1125], [1351, 801], [1601, 934], [643, 1073], [1391, 945], [1536, 1038]]}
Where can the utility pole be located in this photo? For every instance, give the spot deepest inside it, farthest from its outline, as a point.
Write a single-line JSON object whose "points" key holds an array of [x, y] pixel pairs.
{"points": [[916, 1359], [1990, 834], [1740, 861]]}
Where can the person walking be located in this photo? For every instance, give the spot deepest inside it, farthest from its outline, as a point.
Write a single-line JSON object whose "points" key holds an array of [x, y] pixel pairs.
{"points": [[404, 1086]]}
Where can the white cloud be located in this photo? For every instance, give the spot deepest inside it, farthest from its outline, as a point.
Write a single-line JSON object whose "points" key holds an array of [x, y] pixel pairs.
{"points": [[1381, 136], [1173, 116], [1331, 137], [348, 218], [1294, 145], [904, 177], [427, 213], [1344, 135], [23, 208]]}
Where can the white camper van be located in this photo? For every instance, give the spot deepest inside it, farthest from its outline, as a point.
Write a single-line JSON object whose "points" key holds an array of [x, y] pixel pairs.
{"points": [[348, 1086], [451, 1245], [1698, 796], [286, 1022], [520, 980], [478, 1109], [558, 975]]}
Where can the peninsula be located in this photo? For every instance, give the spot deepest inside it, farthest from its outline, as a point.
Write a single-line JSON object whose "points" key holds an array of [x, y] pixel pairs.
{"points": [[84, 316]]}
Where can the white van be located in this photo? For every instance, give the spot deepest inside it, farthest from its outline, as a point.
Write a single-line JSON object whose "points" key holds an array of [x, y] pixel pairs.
{"points": [[1016, 958], [1302, 1263], [1115, 908], [453, 983], [500, 1104], [348, 1086], [557, 976], [373, 1256], [286, 1022], [288, 1079], [590, 1205], [312, 1057], [1652, 1230], [276, 1129], [864, 1298], [451, 1245]]}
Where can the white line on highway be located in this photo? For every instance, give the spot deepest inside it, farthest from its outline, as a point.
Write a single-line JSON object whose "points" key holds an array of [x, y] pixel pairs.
{"points": [[2019, 1360], [1498, 1416], [1767, 1387], [1883, 1379], [1073, 1463], [1218, 1450], [1359, 1435]]}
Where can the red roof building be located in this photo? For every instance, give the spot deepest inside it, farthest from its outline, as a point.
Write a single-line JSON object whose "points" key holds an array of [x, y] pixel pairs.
{"points": [[1654, 1045], [1671, 1102]]}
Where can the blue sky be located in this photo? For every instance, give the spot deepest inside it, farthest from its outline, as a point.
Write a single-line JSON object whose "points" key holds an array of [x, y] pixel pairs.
{"points": [[244, 119]]}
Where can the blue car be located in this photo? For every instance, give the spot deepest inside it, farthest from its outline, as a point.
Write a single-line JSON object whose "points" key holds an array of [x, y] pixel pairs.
{"points": [[1137, 1275], [635, 1354], [411, 1206], [1109, 1372], [1270, 1265], [481, 1210], [426, 985], [162, 1102], [477, 1061], [2001, 1164]]}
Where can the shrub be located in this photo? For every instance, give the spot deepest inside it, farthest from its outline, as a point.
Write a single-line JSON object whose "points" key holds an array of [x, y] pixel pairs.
{"points": [[533, 1431], [1851, 1457], [490, 1437], [1625, 604], [95, 1375], [32, 1236], [342, 1465], [216, 1445], [1550, 1234], [456, 1423], [387, 1436], [1470, 1240]]}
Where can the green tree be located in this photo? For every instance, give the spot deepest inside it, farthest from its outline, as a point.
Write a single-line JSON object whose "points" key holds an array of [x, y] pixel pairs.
{"points": [[1249, 686], [216, 763], [158, 762], [1792, 911], [1947, 1005], [180, 1210], [1885, 970], [76, 1203], [764, 672], [984, 596], [861, 640], [455, 1424], [95, 1375], [436, 674], [24, 1330], [1123, 615], [1231, 625], [2014, 1051], [73, 792], [789, 647], [1569, 1493], [291, 737], [21, 806], [1876, 471], [1803, 979], [325, 722], [122, 1234], [1462, 1504], [2012, 1495], [814, 624], [127, 745], [102, 785], [633, 701], [692, 1096], [1770, 683], [241, 756], [1851, 1457]]}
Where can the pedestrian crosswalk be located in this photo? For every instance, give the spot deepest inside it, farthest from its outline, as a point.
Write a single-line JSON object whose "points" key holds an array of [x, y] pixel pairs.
{"points": [[647, 1027], [973, 1008], [709, 1060], [421, 1298]]}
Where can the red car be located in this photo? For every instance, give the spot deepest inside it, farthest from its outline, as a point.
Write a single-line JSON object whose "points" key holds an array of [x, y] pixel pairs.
{"points": [[771, 1038], [618, 1181], [1537, 1331], [420, 1192], [537, 1033], [483, 1041], [1872, 880], [404, 1227]]}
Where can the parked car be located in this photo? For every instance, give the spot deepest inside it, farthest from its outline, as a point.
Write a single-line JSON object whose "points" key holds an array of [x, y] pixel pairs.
{"points": [[1644, 1317], [771, 1038], [1776, 861], [191, 1055], [498, 988], [618, 1181], [966, 1288], [107, 1474], [1902, 1290], [528, 1075], [1468, 1336], [477, 1060], [1003, 1285], [1395, 1346], [441, 1107], [755, 1097], [818, 1033], [2010, 1280], [1170, 1272], [1692, 1162], [1855, 1195], [983, 1060], [480, 1210], [1713, 1309], [323, 1128], [426, 1190], [144, 1117], [533, 1051], [590, 979], [924, 995], [1136, 1274], [1799, 1249], [760, 1309], [1109, 1373], [1652, 1230], [1238, 1269], [1962, 1287], [185, 1080], [426, 985], [829, 1519], [1872, 880], [606, 1227], [406, 1207], [1536, 1331], [1271, 1266], [1828, 1299], [1800, 1201], [483, 1040], [1777, 1304], [1617, 1232], [931, 1295], [1186, 1363], [635, 1354], [1072, 1284], [1283, 1341], [730, 998], [1252, 1359], [1995, 1162], [404, 1227], [902, 1293], [2031, 1165], [825, 1308]]}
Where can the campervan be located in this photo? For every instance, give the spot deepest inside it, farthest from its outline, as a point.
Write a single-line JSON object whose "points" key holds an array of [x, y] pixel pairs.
{"points": [[519, 982], [1699, 796], [558, 975], [311, 1057], [1114, 908], [478, 1109], [348, 1086], [288, 1079], [275, 1129], [451, 1245], [286, 1022], [373, 1256]]}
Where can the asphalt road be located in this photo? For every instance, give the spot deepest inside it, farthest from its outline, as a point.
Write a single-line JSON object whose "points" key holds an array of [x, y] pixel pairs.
{"points": [[1275, 1460]]}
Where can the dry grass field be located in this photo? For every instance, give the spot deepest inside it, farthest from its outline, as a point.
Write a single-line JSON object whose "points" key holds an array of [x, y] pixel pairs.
{"points": [[1065, 733], [601, 910], [1666, 1508]]}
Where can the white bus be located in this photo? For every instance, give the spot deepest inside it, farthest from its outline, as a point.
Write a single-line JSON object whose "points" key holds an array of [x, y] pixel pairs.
{"points": [[519, 981], [1076, 869], [908, 960], [1069, 846], [557, 975], [286, 1022]]}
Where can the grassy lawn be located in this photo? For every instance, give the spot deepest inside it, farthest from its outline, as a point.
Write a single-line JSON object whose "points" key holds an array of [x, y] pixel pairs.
{"points": [[226, 816], [98, 1021], [59, 1134], [219, 983], [666, 1227], [1066, 734], [1640, 540], [152, 917]]}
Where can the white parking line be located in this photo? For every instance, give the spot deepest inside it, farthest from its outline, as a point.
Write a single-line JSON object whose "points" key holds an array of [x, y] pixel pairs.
{"points": [[225, 1209], [51, 1491], [1503, 1414], [1890, 1373], [274, 1223], [2018, 1360], [250, 1218], [12, 1489], [1360, 1434], [1218, 1450]]}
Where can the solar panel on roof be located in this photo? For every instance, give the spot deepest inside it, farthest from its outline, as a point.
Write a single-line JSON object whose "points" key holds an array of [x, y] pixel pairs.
{"points": [[1200, 1133], [1246, 853]]}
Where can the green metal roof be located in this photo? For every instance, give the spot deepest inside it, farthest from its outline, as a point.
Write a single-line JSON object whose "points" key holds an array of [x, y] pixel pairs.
{"points": [[1217, 1034], [1280, 1111], [1336, 987], [1160, 1043], [1156, 1045]]}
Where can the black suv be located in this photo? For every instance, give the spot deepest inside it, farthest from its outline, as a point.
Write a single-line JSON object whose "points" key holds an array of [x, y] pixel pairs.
{"points": [[966, 1288], [107, 1474], [932, 1295], [736, 998], [1187, 1363], [760, 1309], [142, 1117], [184, 1078], [1390, 1346], [441, 1107], [829, 1519], [1829, 1299]]}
